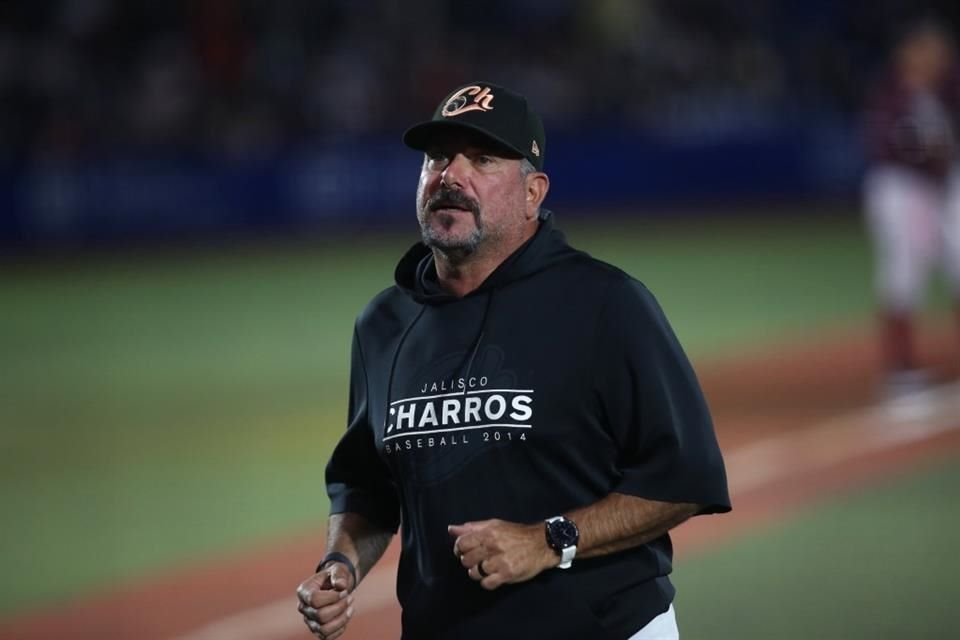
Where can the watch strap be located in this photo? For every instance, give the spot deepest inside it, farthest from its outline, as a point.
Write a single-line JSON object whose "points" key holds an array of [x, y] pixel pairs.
{"points": [[566, 556]]}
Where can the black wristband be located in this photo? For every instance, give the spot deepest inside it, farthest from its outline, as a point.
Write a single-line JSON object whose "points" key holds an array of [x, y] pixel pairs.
{"points": [[336, 556]]}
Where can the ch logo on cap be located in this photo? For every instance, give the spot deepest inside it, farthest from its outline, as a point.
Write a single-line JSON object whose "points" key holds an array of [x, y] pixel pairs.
{"points": [[459, 103]]}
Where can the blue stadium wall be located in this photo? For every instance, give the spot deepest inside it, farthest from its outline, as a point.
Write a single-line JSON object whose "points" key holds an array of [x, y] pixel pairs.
{"points": [[372, 181]]}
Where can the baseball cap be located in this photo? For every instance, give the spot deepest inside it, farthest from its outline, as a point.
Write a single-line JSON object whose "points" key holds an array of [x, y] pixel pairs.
{"points": [[491, 110]]}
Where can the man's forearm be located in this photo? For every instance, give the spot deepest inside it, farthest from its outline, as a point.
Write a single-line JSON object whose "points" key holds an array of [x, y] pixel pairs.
{"points": [[355, 537], [620, 522], [497, 552]]}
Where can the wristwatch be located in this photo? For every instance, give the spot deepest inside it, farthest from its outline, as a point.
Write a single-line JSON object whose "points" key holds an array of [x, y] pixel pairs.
{"points": [[563, 536]]}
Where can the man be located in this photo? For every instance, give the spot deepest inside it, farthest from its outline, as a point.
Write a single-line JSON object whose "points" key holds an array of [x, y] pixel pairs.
{"points": [[913, 219], [522, 409]]}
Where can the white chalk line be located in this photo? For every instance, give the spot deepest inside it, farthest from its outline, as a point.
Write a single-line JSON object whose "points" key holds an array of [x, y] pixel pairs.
{"points": [[750, 467], [849, 436]]}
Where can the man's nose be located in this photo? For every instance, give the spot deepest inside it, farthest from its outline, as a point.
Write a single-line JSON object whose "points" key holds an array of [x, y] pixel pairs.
{"points": [[454, 174]]}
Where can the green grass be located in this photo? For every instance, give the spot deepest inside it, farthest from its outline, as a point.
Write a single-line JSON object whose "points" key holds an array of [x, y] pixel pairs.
{"points": [[164, 409], [876, 565], [161, 408], [727, 282]]}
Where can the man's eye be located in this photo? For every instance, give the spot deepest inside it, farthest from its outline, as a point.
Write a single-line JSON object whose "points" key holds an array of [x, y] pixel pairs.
{"points": [[436, 156], [483, 160]]}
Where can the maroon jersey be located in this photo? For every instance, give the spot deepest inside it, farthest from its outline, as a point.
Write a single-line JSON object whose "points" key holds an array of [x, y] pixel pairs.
{"points": [[914, 129]]}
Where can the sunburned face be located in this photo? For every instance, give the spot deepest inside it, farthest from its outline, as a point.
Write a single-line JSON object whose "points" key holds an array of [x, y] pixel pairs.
{"points": [[469, 197]]}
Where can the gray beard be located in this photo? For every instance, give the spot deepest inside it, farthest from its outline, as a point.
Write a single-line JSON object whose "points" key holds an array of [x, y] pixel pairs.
{"points": [[454, 251]]}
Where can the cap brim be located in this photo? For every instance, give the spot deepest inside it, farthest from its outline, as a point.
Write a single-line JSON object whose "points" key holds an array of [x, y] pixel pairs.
{"points": [[421, 136]]}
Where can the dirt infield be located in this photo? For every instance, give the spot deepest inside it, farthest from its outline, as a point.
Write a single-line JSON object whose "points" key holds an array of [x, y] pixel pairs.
{"points": [[794, 422]]}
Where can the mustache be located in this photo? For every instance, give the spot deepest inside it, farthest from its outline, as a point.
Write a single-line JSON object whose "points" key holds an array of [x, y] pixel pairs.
{"points": [[447, 198]]}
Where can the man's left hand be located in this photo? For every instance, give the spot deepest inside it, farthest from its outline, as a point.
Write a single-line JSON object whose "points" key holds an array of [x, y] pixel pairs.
{"points": [[495, 552]]}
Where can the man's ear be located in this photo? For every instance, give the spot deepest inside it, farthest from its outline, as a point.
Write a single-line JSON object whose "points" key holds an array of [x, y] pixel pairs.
{"points": [[538, 184]]}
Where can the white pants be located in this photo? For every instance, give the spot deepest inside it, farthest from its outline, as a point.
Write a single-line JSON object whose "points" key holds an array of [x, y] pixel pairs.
{"points": [[913, 221], [663, 627]]}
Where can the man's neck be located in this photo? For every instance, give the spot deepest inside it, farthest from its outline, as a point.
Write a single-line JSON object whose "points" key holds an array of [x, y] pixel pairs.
{"points": [[460, 276]]}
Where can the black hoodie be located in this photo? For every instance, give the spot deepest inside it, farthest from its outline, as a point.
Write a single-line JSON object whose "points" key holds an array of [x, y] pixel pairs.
{"points": [[555, 383]]}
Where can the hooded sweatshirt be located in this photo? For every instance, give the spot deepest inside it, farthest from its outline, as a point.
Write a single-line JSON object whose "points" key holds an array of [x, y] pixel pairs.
{"points": [[555, 383]]}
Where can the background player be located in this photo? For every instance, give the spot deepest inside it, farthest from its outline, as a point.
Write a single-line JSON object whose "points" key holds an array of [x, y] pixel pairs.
{"points": [[912, 202]]}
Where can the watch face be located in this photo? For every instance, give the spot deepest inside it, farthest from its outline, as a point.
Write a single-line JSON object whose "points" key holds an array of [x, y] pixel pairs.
{"points": [[563, 533]]}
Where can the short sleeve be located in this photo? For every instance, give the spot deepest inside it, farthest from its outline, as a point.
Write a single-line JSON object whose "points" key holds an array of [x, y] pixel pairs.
{"points": [[358, 479], [654, 406]]}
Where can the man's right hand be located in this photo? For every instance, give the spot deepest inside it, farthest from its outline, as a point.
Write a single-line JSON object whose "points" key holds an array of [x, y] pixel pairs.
{"points": [[325, 601]]}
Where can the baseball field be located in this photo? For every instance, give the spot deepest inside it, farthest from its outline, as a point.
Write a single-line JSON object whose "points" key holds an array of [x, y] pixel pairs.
{"points": [[165, 416]]}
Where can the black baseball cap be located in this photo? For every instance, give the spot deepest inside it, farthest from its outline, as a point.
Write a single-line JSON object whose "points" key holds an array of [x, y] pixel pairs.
{"points": [[491, 110]]}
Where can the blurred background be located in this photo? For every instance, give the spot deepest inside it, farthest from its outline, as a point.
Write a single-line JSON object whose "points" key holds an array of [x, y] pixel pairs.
{"points": [[145, 119], [197, 197]]}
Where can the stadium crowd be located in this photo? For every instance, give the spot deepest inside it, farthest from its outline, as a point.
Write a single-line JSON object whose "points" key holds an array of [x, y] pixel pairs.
{"points": [[247, 77]]}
